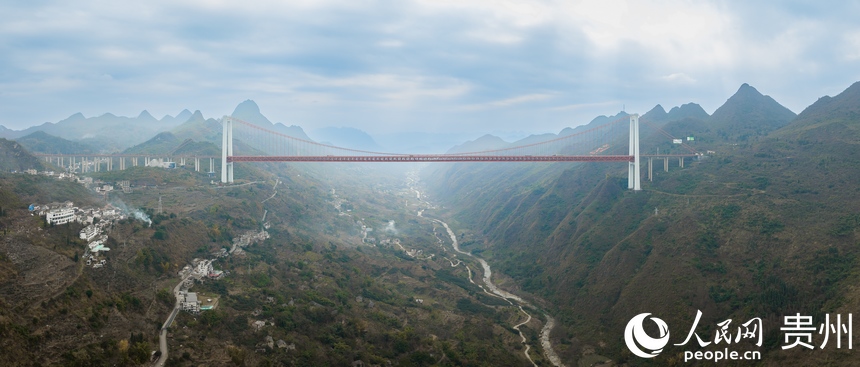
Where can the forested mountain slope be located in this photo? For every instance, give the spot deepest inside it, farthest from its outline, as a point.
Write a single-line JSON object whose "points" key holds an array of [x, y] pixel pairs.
{"points": [[762, 229]]}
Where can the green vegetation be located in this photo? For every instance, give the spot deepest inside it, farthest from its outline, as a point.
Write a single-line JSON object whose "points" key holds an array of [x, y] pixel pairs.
{"points": [[311, 284], [765, 227], [42, 142], [14, 157]]}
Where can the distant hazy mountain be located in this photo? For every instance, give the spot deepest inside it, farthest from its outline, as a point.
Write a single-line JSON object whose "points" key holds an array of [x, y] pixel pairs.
{"points": [[490, 142], [168, 144], [748, 114], [486, 142], [179, 119], [575, 146], [248, 111], [111, 133], [199, 135], [537, 138], [599, 120], [761, 115], [42, 142], [689, 119], [346, 137], [421, 142], [198, 128], [108, 132], [197, 148], [162, 143]]}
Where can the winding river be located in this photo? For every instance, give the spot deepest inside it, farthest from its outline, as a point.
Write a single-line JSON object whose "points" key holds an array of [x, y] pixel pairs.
{"points": [[549, 352], [494, 290]]}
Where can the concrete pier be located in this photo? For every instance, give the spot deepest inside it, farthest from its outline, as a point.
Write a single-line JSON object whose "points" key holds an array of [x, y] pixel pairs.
{"points": [[650, 168]]}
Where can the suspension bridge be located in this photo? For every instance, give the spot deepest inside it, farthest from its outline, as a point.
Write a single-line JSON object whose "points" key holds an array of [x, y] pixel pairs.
{"points": [[601, 143], [588, 145]]}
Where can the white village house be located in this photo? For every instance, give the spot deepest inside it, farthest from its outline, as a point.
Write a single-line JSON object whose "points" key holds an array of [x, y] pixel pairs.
{"points": [[89, 232], [60, 216], [188, 302]]}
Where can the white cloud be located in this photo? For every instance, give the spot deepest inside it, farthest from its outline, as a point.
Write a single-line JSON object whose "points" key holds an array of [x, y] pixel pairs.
{"points": [[392, 90], [495, 36], [439, 56], [493, 21], [676, 32], [390, 43], [515, 13], [507, 102], [851, 46], [116, 54], [678, 78], [580, 106], [786, 48]]}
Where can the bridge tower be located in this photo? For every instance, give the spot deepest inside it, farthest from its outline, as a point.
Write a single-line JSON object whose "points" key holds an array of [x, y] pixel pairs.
{"points": [[227, 149], [633, 172]]}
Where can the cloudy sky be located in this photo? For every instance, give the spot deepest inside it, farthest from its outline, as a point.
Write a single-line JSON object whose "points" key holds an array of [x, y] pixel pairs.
{"points": [[427, 65]]}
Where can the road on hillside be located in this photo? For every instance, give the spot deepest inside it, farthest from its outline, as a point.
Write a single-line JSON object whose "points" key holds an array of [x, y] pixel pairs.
{"points": [[162, 336]]}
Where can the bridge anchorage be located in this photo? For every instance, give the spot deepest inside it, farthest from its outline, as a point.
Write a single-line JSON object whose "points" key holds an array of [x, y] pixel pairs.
{"points": [[286, 148]]}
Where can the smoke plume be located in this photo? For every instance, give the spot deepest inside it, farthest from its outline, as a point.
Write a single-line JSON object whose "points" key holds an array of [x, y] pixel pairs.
{"points": [[133, 212]]}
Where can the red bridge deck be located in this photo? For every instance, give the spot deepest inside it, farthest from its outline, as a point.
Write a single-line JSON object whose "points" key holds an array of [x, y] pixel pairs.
{"points": [[436, 158]]}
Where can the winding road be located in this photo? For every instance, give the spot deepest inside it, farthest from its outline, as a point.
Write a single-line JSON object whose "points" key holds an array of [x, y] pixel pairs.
{"points": [[162, 336]]}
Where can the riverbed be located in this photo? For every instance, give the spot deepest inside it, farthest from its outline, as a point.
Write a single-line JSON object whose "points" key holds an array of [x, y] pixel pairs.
{"points": [[494, 290]]}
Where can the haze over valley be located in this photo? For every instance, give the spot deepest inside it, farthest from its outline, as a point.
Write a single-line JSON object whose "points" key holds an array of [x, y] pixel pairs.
{"points": [[429, 183], [391, 263]]}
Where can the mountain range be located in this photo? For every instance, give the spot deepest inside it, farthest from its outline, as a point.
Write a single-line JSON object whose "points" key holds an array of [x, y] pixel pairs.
{"points": [[828, 119], [765, 225], [108, 131], [141, 134], [346, 137], [42, 142], [144, 133], [729, 123], [248, 111]]}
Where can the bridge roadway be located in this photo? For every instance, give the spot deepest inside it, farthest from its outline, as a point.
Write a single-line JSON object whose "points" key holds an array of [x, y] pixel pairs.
{"points": [[329, 158], [436, 158], [122, 155]]}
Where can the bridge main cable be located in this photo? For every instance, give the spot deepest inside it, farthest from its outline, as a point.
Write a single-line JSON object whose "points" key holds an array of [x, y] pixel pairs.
{"points": [[304, 141], [550, 141], [494, 155], [436, 158]]}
